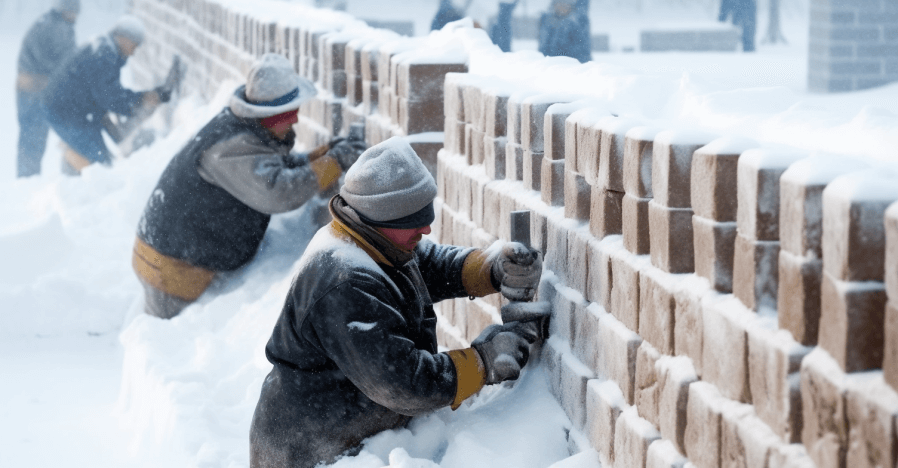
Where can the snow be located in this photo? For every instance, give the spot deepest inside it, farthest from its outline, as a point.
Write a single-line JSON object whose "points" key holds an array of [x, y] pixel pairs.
{"points": [[729, 145], [821, 168], [868, 185]]}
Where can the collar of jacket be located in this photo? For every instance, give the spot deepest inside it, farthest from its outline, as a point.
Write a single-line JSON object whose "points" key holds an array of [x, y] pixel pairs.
{"points": [[378, 247]]}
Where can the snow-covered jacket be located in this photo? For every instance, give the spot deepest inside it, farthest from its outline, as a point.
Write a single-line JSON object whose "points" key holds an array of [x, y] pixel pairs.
{"points": [[88, 85], [213, 202], [355, 350], [567, 36], [47, 44]]}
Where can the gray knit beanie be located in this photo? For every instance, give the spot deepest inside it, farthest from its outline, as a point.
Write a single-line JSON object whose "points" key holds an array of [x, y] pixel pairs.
{"points": [[129, 27], [71, 6], [389, 182]]}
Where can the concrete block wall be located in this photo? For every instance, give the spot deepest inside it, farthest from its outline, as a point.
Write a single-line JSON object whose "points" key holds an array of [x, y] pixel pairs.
{"points": [[853, 44]]}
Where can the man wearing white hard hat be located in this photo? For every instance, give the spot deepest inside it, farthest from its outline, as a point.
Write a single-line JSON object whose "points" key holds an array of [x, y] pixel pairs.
{"points": [[213, 202]]}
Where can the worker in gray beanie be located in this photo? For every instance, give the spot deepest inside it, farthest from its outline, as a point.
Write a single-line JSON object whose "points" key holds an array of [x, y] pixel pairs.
{"points": [[355, 350], [47, 44]]}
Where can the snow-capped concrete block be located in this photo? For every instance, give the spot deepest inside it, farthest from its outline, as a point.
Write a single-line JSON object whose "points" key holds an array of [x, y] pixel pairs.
{"points": [[605, 212], [610, 171], [672, 153], [532, 168], [514, 161], [774, 359], [703, 420], [663, 454], [637, 174], [604, 404], [635, 224], [616, 358], [453, 96], [790, 456], [854, 208], [578, 259], [632, 437], [891, 251], [552, 185], [798, 296], [600, 277], [368, 64], [872, 407], [370, 96], [725, 353], [714, 242], [890, 359], [585, 326], [656, 309], [713, 177], [555, 145], [477, 145], [758, 192], [513, 111], [472, 100], [675, 375], [825, 421], [552, 352], [688, 324], [420, 116], [577, 195], [744, 439], [494, 157], [671, 238], [585, 158], [495, 111], [556, 255], [852, 316], [424, 81], [755, 272], [562, 323], [625, 289], [533, 119], [647, 385], [574, 376], [538, 230]]}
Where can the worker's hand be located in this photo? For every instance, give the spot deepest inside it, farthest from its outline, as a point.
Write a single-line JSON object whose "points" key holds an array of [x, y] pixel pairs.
{"points": [[150, 100], [504, 350], [346, 151], [164, 92], [517, 270]]}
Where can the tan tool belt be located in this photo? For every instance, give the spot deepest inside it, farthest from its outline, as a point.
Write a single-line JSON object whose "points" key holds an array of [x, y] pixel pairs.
{"points": [[170, 275], [31, 83], [74, 159]]}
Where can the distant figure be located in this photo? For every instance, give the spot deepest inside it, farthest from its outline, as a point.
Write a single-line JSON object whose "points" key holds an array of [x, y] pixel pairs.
{"points": [[500, 31], [446, 14], [744, 13], [47, 44], [87, 86], [564, 31]]}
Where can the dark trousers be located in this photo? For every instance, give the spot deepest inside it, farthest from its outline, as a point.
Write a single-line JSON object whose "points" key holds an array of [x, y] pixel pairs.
{"points": [[85, 138], [33, 129]]}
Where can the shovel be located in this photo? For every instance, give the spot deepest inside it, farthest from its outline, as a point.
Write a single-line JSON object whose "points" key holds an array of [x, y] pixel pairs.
{"points": [[520, 311]]}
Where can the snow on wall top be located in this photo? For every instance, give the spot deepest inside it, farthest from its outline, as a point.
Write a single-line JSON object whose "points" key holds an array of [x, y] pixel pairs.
{"points": [[866, 185], [729, 145], [768, 158], [684, 137], [820, 169]]}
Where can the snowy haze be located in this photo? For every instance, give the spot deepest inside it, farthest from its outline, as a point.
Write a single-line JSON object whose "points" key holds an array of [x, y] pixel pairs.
{"points": [[90, 381]]}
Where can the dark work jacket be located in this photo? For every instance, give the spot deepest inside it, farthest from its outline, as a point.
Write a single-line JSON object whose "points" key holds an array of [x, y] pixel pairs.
{"points": [[354, 351], [49, 41], [195, 221], [500, 31], [445, 15], [567, 36], [88, 85]]}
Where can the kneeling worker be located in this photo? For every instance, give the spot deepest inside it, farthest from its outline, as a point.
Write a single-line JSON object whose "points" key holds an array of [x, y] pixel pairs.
{"points": [[212, 204], [355, 349]]}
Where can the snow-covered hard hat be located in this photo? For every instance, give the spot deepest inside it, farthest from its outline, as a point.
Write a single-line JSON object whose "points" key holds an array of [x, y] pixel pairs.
{"points": [[272, 87], [69, 6], [390, 187], [129, 27]]}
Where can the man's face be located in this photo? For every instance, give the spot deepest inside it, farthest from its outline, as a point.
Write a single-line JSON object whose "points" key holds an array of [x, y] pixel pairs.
{"points": [[562, 9], [405, 238], [125, 46], [69, 16], [281, 129]]}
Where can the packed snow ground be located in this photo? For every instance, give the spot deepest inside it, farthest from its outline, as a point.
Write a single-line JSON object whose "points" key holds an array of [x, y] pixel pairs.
{"points": [[89, 381]]}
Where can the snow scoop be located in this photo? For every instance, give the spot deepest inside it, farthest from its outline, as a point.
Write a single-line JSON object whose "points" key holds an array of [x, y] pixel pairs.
{"points": [[519, 311]]}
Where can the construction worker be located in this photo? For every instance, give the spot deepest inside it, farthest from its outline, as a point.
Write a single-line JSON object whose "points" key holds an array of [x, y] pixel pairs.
{"points": [[355, 349], [47, 44], [212, 204], [564, 31], [87, 86]]}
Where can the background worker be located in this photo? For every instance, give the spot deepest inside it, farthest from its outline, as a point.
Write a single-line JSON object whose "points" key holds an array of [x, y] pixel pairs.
{"points": [[212, 204], [46, 45], [354, 349], [564, 31]]}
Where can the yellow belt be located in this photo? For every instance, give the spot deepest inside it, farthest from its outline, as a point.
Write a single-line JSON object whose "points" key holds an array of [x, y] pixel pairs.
{"points": [[74, 159], [170, 275], [30, 83]]}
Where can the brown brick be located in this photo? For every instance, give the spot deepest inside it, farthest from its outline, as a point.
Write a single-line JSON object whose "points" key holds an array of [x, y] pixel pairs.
{"points": [[798, 295], [635, 224], [555, 134], [478, 147], [472, 100], [578, 259], [551, 354], [514, 161], [532, 166], [891, 251], [424, 81], [774, 359], [890, 360], [616, 357], [713, 177], [663, 454], [790, 456], [354, 89], [671, 239], [370, 92], [656, 309], [494, 158], [420, 116], [632, 437], [647, 385], [605, 212], [533, 113], [538, 230], [755, 272], [604, 404], [556, 255], [427, 151], [453, 96], [610, 171], [825, 422], [589, 144], [513, 125], [577, 195], [625, 290], [570, 139], [871, 407], [675, 375], [600, 274], [585, 328], [478, 316], [671, 167], [745, 440], [851, 322], [714, 244], [495, 111], [758, 192], [702, 433], [552, 186], [562, 323], [725, 353], [638, 161], [688, 325]]}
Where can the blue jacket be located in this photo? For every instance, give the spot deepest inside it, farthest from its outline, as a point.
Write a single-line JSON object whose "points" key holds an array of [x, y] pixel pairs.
{"points": [[567, 36], [88, 85], [445, 15], [49, 41], [500, 31]]}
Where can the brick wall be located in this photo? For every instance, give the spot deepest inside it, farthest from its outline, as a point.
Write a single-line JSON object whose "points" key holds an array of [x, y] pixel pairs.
{"points": [[716, 302], [853, 44]]}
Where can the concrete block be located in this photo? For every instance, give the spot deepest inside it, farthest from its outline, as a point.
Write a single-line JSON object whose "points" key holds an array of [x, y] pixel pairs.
{"points": [[656, 309], [552, 185], [745, 440], [513, 124], [714, 244], [494, 158], [538, 230], [585, 328], [755, 272], [663, 454], [472, 96], [890, 359], [478, 316], [854, 208], [703, 420], [495, 112], [871, 406], [580, 128], [672, 153], [635, 224], [562, 323], [556, 255], [774, 359], [798, 296], [578, 259], [671, 239], [638, 161], [725, 346], [790, 456], [675, 375], [616, 357], [453, 95], [570, 142], [423, 81], [577, 195], [514, 161], [647, 385], [610, 173], [554, 128], [713, 179], [632, 437], [825, 421], [420, 116], [605, 212], [625, 288], [851, 322], [891, 251], [532, 166], [604, 404], [574, 376], [600, 275], [491, 204], [552, 351], [478, 146], [468, 148], [688, 323], [758, 192]]}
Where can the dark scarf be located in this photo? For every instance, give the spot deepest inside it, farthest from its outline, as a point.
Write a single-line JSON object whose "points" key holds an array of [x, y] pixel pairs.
{"points": [[344, 213]]}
